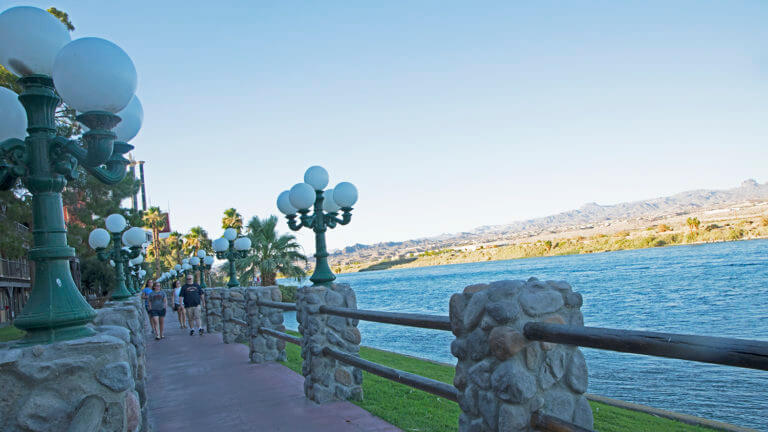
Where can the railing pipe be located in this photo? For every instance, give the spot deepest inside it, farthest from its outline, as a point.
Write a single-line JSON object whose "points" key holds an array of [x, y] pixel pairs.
{"points": [[277, 305], [239, 322], [435, 322], [437, 388], [546, 423], [725, 351], [280, 335]]}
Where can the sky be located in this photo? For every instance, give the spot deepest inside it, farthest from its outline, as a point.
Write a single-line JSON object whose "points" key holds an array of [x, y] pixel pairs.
{"points": [[447, 115]]}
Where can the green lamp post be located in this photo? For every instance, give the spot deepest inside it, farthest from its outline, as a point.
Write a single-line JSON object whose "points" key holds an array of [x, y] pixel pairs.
{"points": [[133, 268], [231, 247], [201, 263], [326, 205], [126, 245], [94, 77]]}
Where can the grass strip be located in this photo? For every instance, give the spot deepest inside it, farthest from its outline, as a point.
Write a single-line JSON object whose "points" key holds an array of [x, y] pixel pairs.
{"points": [[416, 410], [9, 333]]}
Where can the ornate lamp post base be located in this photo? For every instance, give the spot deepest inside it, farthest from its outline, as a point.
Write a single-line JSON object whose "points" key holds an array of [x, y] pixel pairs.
{"points": [[55, 310]]}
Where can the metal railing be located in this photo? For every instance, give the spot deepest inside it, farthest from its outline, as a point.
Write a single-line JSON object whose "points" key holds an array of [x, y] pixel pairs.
{"points": [[14, 269], [436, 322], [717, 350]]}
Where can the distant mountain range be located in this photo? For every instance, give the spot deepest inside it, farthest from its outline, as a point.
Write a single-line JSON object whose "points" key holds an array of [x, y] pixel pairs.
{"points": [[589, 214]]}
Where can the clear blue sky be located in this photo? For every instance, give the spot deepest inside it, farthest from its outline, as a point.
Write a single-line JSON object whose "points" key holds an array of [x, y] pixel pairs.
{"points": [[446, 114]]}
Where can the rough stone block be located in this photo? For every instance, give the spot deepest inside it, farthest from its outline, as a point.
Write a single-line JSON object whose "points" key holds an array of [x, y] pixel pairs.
{"points": [[502, 377]]}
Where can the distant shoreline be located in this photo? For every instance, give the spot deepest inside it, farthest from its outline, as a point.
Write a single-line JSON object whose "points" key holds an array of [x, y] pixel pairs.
{"points": [[639, 239]]}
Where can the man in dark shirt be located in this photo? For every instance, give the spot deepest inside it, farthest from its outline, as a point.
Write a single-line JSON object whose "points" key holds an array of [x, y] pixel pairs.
{"points": [[194, 299]]}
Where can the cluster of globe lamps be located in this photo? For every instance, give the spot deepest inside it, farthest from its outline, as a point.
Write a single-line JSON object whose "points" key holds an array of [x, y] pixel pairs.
{"points": [[231, 247], [126, 254], [96, 78], [325, 205], [198, 262]]}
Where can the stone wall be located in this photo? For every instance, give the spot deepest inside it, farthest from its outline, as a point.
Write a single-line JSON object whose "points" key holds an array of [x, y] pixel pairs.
{"points": [[326, 379], [213, 309], [501, 376], [264, 348], [89, 384], [233, 306]]}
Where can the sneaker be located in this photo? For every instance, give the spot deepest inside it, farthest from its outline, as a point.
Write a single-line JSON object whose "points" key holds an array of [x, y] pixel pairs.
{"points": [[191, 332], [200, 331]]}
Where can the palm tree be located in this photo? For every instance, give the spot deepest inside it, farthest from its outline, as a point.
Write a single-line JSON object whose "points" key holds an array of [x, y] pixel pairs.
{"points": [[154, 220], [232, 219], [197, 239], [174, 245], [272, 253]]}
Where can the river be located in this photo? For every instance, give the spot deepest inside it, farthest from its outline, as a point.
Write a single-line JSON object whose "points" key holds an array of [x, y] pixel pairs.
{"points": [[718, 289]]}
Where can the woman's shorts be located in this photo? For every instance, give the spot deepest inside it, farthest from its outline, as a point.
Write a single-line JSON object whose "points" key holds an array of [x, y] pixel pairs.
{"points": [[157, 313]]}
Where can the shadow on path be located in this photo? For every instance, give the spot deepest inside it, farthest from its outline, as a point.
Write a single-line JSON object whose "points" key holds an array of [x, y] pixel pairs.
{"points": [[198, 383]]}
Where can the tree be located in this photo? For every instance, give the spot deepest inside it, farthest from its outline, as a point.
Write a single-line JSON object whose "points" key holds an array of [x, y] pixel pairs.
{"points": [[548, 245], [174, 244], [154, 220], [232, 219], [197, 239], [62, 16], [15, 219], [693, 224], [271, 254]]}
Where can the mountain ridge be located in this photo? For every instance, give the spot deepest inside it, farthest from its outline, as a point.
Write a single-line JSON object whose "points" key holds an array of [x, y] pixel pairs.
{"points": [[586, 215]]}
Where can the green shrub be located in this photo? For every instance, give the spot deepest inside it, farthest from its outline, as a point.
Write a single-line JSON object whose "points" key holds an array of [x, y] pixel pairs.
{"points": [[735, 234], [289, 293]]}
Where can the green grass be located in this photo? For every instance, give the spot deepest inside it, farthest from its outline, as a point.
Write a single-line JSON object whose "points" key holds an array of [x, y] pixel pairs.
{"points": [[10, 333], [415, 410]]}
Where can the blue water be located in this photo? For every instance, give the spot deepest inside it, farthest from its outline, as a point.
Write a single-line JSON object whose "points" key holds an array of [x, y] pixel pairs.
{"points": [[714, 289]]}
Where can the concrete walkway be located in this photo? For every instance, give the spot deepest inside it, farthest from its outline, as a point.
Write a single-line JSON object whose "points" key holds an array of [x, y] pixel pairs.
{"points": [[198, 383]]}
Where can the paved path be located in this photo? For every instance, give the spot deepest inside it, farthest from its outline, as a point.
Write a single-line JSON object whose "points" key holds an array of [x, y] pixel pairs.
{"points": [[198, 383]]}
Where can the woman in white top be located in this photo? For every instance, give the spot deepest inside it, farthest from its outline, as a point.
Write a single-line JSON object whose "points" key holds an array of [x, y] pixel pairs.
{"points": [[178, 306]]}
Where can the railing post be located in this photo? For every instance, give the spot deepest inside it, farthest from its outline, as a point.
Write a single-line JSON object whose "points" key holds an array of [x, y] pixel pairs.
{"points": [[502, 378], [264, 348], [326, 379], [233, 306], [213, 310]]}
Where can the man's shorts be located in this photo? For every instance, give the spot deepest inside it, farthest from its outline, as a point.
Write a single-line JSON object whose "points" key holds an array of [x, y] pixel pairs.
{"points": [[157, 313], [193, 313]]}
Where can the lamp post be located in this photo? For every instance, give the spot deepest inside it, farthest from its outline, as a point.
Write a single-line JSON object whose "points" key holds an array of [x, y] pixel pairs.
{"points": [[231, 247], [131, 238], [133, 269], [201, 262], [326, 205], [94, 77]]}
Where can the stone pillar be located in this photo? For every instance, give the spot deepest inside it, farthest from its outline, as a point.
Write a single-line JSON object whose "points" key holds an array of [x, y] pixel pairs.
{"points": [[501, 376], [233, 307], [326, 379], [264, 348], [115, 317], [92, 383], [213, 309]]}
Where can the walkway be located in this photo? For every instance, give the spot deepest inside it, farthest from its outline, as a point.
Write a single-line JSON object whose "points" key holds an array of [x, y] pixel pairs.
{"points": [[198, 383]]}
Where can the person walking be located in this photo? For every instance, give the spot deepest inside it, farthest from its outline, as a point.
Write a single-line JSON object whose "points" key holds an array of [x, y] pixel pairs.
{"points": [[157, 306], [145, 295], [193, 298], [178, 306]]}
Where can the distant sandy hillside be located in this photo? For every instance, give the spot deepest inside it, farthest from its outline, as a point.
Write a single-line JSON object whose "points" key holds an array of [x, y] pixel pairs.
{"points": [[588, 217]]}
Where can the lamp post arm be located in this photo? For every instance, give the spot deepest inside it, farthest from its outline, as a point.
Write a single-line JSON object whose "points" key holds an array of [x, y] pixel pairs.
{"points": [[346, 217], [331, 220], [102, 254], [292, 223], [14, 157], [115, 171]]}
